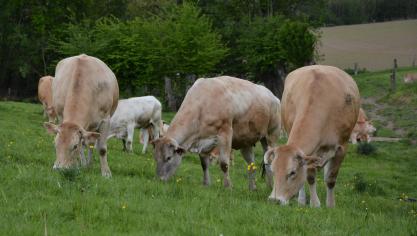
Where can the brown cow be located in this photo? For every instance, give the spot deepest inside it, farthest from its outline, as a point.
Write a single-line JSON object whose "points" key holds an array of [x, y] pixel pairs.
{"points": [[320, 106], [45, 97], [85, 95], [224, 113]]}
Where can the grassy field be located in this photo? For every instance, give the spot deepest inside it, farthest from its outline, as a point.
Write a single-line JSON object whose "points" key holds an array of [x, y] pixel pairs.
{"points": [[372, 194], [372, 46]]}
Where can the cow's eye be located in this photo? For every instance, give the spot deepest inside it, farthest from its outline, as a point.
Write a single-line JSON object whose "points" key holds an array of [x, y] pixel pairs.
{"points": [[291, 174]]}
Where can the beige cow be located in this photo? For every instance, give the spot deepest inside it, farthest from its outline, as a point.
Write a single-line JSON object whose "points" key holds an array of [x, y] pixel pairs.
{"points": [[224, 113], [45, 97], [363, 128], [85, 94], [410, 78], [320, 106]]}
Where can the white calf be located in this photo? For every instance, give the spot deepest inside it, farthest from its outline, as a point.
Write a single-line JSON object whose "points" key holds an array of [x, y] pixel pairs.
{"points": [[137, 112]]}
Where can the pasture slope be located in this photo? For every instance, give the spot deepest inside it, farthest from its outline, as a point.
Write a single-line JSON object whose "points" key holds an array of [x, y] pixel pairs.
{"points": [[372, 46], [372, 194]]}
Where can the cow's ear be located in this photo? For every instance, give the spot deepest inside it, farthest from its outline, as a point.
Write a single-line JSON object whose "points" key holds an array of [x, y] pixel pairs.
{"points": [[269, 156], [90, 138], [312, 162], [51, 127]]}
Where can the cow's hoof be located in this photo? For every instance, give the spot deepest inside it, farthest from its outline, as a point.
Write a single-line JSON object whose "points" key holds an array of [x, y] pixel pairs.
{"points": [[106, 174], [252, 187]]}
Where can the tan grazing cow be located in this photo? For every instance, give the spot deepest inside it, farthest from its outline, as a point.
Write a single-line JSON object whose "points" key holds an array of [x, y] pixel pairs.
{"points": [[320, 106], [224, 113], [410, 78], [85, 95], [363, 128], [45, 97]]}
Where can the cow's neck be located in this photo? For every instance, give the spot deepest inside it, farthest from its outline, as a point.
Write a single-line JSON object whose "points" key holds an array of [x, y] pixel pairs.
{"points": [[183, 131], [305, 134]]}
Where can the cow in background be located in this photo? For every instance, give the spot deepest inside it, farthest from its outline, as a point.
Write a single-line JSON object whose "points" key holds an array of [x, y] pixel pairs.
{"points": [[45, 97], [410, 78], [84, 94], [363, 128], [147, 134], [137, 112]]}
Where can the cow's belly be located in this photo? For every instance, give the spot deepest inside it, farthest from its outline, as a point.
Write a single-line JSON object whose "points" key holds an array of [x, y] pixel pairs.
{"points": [[247, 134]]}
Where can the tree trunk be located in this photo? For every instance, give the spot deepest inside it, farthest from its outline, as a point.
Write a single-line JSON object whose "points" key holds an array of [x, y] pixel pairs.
{"points": [[169, 94], [274, 83], [190, 79]]}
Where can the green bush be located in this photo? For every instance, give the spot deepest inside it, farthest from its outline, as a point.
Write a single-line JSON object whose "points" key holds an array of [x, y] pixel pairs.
{"points": [[365, 148]]}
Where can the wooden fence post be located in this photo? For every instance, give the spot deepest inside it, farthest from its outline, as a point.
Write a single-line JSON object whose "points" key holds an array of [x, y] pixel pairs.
{"points": [[355, 66], [394, 76]]}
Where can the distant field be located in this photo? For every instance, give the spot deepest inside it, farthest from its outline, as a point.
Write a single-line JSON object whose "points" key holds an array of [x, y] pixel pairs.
{"points": [[372, 46]]}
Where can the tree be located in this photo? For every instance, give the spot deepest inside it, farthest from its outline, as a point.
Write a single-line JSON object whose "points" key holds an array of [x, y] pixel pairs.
{"points": [[271, 46]]}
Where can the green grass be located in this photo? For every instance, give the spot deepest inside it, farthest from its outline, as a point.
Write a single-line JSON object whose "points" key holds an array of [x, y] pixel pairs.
{"points": [[34, 197]]}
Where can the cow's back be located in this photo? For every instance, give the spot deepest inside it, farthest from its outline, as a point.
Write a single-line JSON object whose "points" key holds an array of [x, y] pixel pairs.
{"points": [[45, 89], [323, 95], [251, 109], [85, 84], [137, 109]]}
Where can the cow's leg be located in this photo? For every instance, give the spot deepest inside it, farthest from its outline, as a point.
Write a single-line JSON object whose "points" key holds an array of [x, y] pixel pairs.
{"points": [[82, 156], [225, 146], [90, 155], [331, 170], [264, 144], [311, 179], [156, 129], [205, 163], [145, 136], [247, 153], [302, 196], [102, 148], [353, 137], [130, 133], [124, 144]]}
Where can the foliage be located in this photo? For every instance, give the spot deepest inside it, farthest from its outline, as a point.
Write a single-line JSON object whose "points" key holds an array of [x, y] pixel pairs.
{"points": [[144, 50], [365, 148]]}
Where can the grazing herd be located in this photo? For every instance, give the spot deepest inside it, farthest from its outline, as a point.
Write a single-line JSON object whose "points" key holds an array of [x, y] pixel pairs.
{"points": [[320, 109]]}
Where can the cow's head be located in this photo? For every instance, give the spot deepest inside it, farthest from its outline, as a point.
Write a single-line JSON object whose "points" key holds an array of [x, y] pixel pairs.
{"points": [[168, 155], [370, 128], [51, 113], [68, 141], [289, 168]]}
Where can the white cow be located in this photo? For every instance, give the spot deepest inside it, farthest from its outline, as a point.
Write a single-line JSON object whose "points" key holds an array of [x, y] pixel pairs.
{"points": [[146, 134], [137, 112]]}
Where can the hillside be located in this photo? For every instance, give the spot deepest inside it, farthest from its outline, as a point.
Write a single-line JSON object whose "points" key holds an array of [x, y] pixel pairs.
{"points": [[372, 46], [394, 113]]}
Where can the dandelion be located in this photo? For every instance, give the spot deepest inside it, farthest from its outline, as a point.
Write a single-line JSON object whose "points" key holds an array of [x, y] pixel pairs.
{"points": [[251, 166], [124, 206], [179, 180]]}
